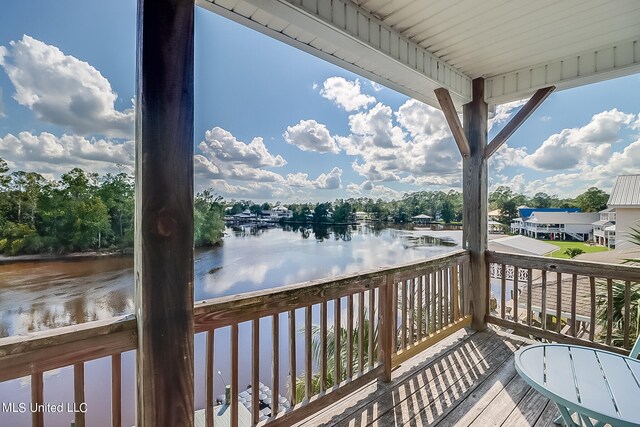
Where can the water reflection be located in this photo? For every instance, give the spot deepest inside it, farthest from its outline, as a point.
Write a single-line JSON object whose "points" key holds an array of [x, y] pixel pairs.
{"points": [[43, 295]]}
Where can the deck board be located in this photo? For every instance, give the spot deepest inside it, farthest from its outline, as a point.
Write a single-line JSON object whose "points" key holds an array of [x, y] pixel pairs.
{"points": [[466, 379]]}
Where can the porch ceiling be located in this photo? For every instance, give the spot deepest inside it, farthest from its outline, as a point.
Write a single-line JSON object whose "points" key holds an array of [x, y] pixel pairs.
{"points": [[416, 46]]}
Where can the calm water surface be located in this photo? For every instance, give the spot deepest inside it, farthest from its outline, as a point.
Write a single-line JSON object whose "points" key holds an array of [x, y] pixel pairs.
{"points": [[42, 295]]}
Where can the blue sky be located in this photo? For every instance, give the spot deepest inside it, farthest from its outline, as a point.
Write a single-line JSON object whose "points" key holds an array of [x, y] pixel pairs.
{"points": [[274, 123]]}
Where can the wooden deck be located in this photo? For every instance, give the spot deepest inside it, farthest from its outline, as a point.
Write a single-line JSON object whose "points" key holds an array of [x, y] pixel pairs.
{"points": [[468, 379]]}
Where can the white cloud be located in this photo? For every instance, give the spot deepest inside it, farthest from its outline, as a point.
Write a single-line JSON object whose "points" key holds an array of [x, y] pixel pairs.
{"points": [[224, 147], [345, 93], [420, 145], [375, 86], [325, 181], [63, 90], [504, 112], [309, 135], [589, 144], [47, 153], [329, 181], [507, 156], [1, 99]]}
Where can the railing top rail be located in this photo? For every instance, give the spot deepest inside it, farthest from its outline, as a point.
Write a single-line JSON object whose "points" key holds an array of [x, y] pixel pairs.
{"points": [[223, 311], [52, 337], [583, 268]]}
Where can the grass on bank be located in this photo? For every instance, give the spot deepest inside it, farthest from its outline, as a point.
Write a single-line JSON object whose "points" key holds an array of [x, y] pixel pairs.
{"points": [[563, 245]]}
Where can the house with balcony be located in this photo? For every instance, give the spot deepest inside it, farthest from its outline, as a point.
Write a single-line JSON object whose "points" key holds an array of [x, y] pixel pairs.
{"points": [[276, 213], [415, 338], [517, 225], [560, 225], [625, 204], [604, 230]]}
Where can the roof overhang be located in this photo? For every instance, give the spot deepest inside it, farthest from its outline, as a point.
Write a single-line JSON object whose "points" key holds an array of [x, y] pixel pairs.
{"points": [[417, 46]]}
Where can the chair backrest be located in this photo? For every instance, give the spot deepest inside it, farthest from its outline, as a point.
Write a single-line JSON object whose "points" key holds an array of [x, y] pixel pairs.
{"points": [[635, 351]]}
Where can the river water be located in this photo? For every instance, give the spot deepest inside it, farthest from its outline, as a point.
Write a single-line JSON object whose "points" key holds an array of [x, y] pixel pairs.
{"points": [[43, 295]]}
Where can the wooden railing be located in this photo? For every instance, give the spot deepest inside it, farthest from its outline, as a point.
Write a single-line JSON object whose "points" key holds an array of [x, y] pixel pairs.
{"points": [[565, 300], [385, 316], [36, 353]]}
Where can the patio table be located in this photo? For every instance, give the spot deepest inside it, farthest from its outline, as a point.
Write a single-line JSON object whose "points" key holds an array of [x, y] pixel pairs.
{"points": [[593, 383]]}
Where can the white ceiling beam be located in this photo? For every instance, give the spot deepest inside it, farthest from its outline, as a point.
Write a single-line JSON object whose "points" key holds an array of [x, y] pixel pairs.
{"points": [[617, 60], [373, 50]]}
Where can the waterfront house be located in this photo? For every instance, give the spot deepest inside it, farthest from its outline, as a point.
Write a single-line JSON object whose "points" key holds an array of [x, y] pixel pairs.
{"points": [[276, 213], [422, 363], [421, 219]]}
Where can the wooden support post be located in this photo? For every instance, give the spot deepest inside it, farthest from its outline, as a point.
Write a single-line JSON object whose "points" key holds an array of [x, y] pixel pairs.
{"points": [[164, 213], [474, 186], [451, 115]]}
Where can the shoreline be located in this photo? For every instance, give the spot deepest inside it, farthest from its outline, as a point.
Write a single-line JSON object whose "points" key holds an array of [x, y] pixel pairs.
{"points": [[4, 259]]}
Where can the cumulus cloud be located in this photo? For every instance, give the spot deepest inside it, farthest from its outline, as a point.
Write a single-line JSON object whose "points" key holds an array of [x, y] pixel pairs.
{"points": [[223, 146], [504, 112], [417, 143], [64, 90], [49, 153], [325, 181], [309, 135], [345, 93], [589, 144]]}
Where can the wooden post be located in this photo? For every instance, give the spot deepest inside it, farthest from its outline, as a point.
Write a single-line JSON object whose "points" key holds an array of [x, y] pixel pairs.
{"points": [[474, 185], [164, 213]]}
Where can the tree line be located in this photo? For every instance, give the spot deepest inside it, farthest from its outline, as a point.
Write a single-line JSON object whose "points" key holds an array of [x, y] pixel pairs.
{"points": [[440, 205], [82, 211]]}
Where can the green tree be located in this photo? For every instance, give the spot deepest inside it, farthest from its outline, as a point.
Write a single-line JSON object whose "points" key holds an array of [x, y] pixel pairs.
{"points": [[208, 219], [592, 200]]}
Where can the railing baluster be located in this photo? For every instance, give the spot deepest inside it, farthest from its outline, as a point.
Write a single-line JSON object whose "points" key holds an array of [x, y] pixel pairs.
{"points": [[385, 297], [208, 392], [292, 355], [350, 336], [574, 303], [234, 375], [447, 295], [441, 300], [37, 398], [592, 318], [418, 308], [558, 302], [78, 392], [529, 294], [456, 293], [609, 310], [434, 301], [361, 333], [307, 354], [412, 308], [337, 330], [116, 390], [405, 300], [503, 290], [255, 371], [543, 313], [427, 303], [323, 346], [372, 310], [627, 312], [515, 293], [275, 365]]}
